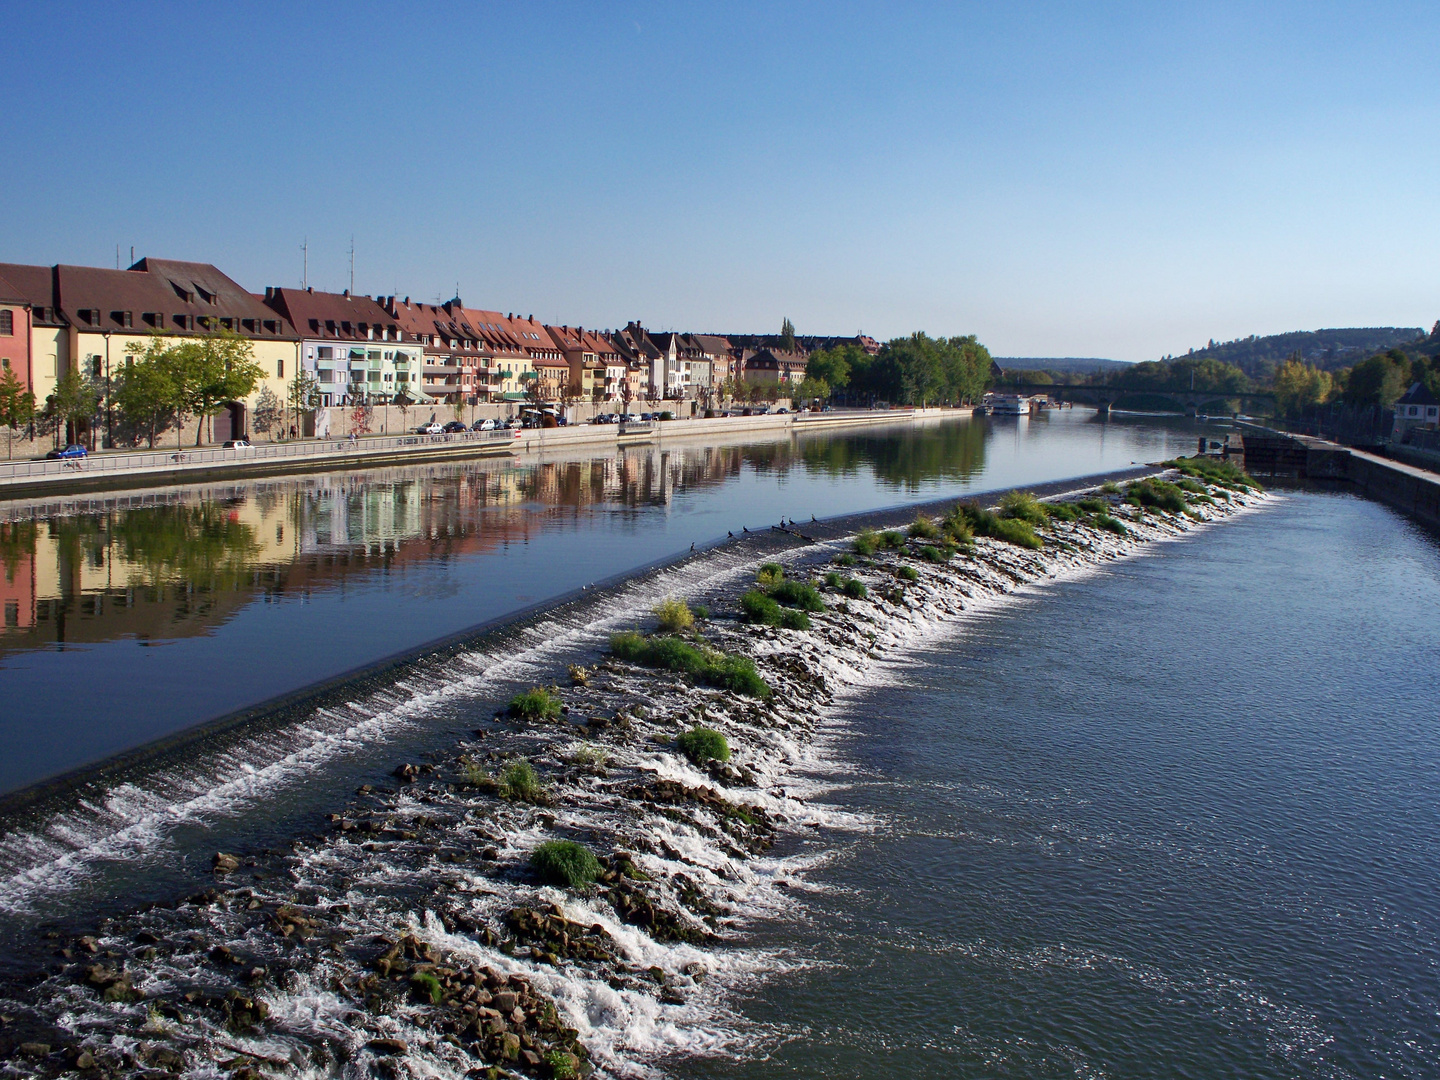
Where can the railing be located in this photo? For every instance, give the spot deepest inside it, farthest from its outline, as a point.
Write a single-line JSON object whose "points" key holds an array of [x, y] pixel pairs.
{"points": [[190, 457], [637, 427]]}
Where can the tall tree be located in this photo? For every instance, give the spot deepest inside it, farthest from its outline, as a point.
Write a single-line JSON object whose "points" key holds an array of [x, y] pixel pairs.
{"points": [[221, 369], [146, 397], [302, 394], [268, 412], [787, 335], [17, 408], [73, 402]]}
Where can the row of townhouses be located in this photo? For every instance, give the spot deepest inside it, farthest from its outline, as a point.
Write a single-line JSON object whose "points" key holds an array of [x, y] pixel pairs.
{"points": [[54, 319]]}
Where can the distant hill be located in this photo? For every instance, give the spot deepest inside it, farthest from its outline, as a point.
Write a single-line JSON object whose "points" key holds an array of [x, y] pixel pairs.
{"points": [[1083, 365], [1330, 350]]}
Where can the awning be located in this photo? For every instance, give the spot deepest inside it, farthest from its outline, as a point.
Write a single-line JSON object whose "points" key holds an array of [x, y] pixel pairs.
{"points": [[513, 396]]}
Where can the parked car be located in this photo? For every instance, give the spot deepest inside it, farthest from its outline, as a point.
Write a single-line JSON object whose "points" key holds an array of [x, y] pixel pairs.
{"points": [[431, 428], [483, 425], [74, 450], [237, 444], [455, 426], [781, 411]]}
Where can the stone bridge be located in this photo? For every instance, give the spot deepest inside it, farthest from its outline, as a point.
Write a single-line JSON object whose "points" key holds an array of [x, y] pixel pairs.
{"points": [[1102, 397]]}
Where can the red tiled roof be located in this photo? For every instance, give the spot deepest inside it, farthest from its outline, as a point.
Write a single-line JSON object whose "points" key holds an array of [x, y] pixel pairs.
{"points": [[334, 316]]}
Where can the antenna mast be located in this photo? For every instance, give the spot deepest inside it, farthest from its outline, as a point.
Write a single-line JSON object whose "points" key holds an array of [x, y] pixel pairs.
{"points": [[305, 263], [352, 264]]}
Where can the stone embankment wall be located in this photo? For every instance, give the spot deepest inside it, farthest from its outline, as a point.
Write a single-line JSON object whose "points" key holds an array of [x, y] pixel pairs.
{"points": [[1409, 488]]}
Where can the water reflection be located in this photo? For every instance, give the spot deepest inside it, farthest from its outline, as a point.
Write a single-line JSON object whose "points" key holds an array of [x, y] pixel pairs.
{"points": [[159, 566]]}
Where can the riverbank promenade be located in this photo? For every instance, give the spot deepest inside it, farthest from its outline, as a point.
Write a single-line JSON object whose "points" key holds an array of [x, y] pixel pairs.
{"points": [[149, 468]]}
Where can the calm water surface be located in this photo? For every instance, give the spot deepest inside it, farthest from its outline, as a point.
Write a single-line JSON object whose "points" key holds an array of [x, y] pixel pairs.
{"points": [[134, 617], [1176, 820]]}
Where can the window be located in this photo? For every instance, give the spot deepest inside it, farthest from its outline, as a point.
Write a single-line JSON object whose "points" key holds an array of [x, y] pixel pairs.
{"points": [[95, 362], [280, 368], [127, 319], [7, 322]]}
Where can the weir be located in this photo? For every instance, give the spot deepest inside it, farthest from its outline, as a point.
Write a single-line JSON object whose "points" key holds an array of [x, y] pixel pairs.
{"points": [[1407, 488]]}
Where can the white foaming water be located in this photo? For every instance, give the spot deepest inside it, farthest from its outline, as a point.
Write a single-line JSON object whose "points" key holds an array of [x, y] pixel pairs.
{"points": [[626, 1029]]}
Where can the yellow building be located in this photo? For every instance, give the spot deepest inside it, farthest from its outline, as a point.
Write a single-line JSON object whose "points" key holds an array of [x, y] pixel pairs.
{"points": [[89, 319]]}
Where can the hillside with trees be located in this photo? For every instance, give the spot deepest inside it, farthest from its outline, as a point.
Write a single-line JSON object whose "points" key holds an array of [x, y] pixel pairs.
{"points": [[1326, 350]]}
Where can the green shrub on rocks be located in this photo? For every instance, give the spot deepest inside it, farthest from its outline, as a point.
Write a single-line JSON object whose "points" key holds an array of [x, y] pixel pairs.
{"points": [[893, 539], [1152, 494], [1064, 511], [675, 616], [937, 553], [855, 589], [769, 575], [565, 862], [519, 783], [834, 580], [427, 987], [1109, 487], [798, 594], [867, 542], [535, 704], [1091, 505], [984, 522], [845, 560], [1110, 524], [1216, 471], [702, 745], [923, 528], [734, 673], [1023, 506], [757, 607]]}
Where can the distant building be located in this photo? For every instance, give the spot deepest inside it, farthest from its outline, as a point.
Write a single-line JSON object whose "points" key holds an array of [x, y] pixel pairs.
{"points": [[508, 345], [658, 371], [716, 352], [34, 289], [352, 346], [456, 364], [15, 343], [769, 367], [1417, 408]]}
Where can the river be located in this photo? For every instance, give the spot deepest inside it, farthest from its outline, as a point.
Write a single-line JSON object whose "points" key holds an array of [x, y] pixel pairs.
{"points": [[1178, 818], [1174, 815], [135, 617]]}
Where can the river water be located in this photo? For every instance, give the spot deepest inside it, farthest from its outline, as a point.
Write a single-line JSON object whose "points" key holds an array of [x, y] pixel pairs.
{"points": [[1174, 819], [131, 618]]}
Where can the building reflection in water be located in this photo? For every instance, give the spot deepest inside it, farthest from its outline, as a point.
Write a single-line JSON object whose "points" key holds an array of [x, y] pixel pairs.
{"points": [[158, 565]]}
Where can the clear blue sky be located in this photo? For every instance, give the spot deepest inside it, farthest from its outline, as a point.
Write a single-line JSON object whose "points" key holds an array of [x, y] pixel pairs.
{"points": [[1119, 180]]}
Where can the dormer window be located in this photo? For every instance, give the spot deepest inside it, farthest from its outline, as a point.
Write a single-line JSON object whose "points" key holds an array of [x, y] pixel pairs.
{"points": [[124, 318], [330, 326]]}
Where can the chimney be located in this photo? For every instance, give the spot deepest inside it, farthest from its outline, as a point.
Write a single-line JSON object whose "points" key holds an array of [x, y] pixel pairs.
{"points": [[269, 293]]}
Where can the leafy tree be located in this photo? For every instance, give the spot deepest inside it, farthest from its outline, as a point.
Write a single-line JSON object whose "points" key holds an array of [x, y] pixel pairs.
{"points": [[17, 408], [810, 389], [834, 365], [403, 401], [787, 336], [1379, 380], [302, 394], [146, 397], [74, 401], [269, 413], [1298, 386], [220, 369]]}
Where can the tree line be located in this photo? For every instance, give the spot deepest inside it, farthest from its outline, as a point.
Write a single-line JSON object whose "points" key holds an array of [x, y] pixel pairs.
{"points": [[914, 370]]}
